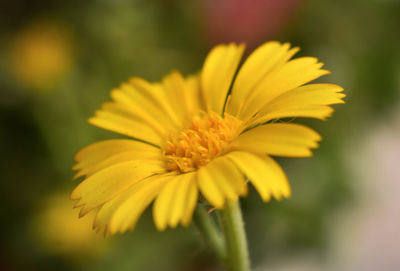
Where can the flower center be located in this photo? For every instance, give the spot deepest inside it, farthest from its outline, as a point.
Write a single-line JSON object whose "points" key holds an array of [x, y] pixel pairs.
{"points": [[207, 137]]}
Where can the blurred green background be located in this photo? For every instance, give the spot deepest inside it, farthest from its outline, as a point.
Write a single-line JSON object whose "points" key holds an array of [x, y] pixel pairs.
{"points": [[59, 60]]}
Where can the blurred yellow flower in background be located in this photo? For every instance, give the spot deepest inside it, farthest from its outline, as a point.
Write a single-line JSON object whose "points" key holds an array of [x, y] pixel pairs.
{"points": [[206, 133], [60, 232], [41, 55]]}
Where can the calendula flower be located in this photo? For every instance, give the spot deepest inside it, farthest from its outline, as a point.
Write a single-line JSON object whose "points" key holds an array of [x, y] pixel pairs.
{"points": [[207, 133]]}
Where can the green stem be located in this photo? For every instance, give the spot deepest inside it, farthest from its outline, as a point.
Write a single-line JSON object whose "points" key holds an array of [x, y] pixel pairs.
{"points": [[210, 232], [235, 237]]}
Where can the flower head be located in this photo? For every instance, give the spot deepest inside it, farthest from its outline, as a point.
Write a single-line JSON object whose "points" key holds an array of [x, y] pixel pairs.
{"points": [[42, 55], [207, 133]]}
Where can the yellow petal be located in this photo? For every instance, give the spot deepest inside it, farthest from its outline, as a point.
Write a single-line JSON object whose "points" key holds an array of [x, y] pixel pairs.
{"points": [[178, 94], [257, 66], [131, 101], [171, 203], [163, 204], [263, 172], [109, 182], [136, 100], [228, 177], [322, 94], [305, 101], [137, 113], [209, 188], [143, 103], [313, 111], [191, 201], [99, 151], [218, 71], [280, 139], [122, 213], [126, 126], [196, 99], [221, 180], [159, 97], [119, 158], [182, 198], [289, 76]]}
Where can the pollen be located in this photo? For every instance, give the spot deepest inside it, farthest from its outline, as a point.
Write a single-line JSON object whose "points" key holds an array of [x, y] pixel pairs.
{"points": [[208, 136]]}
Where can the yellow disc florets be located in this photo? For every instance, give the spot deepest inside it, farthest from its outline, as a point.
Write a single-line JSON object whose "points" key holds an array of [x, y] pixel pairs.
{"points": [[206, 137]]}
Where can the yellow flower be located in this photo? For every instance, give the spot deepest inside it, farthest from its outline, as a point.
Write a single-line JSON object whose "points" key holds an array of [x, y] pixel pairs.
{"points": [[207, 133], [41, 55]]}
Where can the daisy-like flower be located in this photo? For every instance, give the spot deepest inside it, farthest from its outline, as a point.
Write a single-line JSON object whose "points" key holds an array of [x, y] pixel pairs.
{"points": [[207, 133]]}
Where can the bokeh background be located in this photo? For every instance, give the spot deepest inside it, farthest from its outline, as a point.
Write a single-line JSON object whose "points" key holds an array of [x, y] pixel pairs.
{"points": [[59, 60]]}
